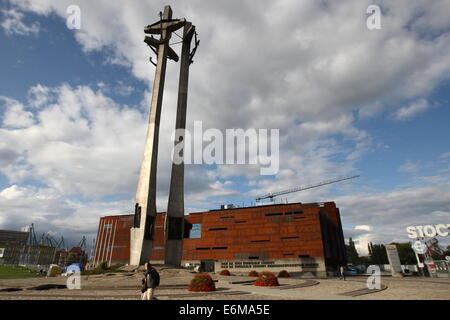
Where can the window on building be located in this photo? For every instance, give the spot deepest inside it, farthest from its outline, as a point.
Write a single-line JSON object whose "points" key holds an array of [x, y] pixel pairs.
{"points": [[274, 214], [193, 231], [294, 212], [217, 229]]}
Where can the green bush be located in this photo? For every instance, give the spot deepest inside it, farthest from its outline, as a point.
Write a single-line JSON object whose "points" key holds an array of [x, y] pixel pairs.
{"points": [[103, 268]]}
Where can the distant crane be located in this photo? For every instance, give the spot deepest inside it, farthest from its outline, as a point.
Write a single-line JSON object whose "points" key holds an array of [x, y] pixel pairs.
{"points": [[301, 188], [61, 244], [82, 244]]}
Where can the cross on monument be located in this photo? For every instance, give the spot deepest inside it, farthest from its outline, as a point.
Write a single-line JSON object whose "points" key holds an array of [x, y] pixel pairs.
{"points": [[141, 235]]}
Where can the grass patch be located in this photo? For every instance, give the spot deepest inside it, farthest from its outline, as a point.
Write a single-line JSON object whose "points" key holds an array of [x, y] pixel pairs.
{"points": [[17, 272]]}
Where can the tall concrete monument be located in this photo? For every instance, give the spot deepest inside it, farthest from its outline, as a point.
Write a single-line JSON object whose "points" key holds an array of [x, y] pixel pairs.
{"points": [[145, 209], [174, 226]]}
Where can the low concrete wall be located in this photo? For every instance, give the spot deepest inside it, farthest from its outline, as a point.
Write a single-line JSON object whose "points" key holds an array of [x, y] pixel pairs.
{"points": [[302, 267]]}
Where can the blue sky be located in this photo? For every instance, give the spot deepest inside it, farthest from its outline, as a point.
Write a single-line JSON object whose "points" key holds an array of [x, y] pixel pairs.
{"points": [[74, 108], [53, 57]]}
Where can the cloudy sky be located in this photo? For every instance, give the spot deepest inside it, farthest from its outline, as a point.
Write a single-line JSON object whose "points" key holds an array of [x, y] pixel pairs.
{"points": [[348, 100]]}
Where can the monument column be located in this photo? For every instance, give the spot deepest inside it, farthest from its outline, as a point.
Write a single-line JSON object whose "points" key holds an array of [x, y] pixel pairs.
{"points": [[174, 224], [145, 210]]}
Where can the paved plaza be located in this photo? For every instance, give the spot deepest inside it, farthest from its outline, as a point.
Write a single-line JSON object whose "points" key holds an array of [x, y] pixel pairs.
{"points": [[174, 282]]}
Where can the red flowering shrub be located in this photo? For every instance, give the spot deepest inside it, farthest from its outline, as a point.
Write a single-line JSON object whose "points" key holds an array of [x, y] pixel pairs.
{"points": [[225, 273], [266, 279], [283, 274], [202, 282], [253, 274]]}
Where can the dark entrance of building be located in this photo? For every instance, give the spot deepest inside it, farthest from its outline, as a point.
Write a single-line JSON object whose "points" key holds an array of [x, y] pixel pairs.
{"points": [[207, 265]]}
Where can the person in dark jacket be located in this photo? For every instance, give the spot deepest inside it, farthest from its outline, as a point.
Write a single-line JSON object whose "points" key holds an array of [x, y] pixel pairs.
{"points": [[150, 282]]}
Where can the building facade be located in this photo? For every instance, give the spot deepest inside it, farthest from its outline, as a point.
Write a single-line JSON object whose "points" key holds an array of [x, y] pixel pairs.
{"points": [[12, 244], [302, 238]]}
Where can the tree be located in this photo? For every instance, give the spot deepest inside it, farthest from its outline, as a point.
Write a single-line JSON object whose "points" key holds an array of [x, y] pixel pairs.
{"points": [[377, 253], [406, 253], [352, 253]]}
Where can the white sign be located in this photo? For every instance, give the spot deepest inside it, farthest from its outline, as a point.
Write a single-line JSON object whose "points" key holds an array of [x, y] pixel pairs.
{"points": [[428, 231], [419, 247], [447, 258], [2, 252]]}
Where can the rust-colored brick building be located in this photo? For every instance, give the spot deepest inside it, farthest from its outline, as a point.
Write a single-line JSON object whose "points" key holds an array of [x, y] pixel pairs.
{"points": [[305, 238]]}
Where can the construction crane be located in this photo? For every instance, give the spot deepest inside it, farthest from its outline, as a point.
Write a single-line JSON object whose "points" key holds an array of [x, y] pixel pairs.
{"points": [[301, 188], [82, 243], [61, 244]]}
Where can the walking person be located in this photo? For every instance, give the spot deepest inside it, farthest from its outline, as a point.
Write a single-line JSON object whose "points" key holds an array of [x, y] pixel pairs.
{"points": [[342, 272], [149, 282]]}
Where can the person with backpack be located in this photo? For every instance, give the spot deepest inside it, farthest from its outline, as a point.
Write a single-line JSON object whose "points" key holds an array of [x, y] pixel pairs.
{"points": [[149, 282]]}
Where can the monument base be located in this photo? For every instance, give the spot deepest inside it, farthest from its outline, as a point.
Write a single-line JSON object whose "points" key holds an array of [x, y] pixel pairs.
{"points": [[139, 249]]}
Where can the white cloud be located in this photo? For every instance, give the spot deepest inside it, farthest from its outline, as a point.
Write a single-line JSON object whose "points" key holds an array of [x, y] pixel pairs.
{"points": [[22, 206], [328, 66], [388, 213], [81, 143], [38, 96], [412, 110], [445, 155], [12, 23], [329, 63], [363, 227], [12, 192], [123, 89], [15, 115], [409, 167]]}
